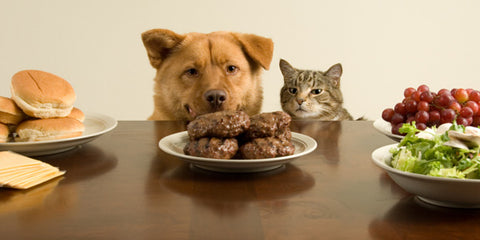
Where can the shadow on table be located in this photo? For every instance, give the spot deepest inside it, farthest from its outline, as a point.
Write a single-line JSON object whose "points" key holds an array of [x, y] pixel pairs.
{"points": [[411, 218], [83, 162], [232, 192], [326, 133]]}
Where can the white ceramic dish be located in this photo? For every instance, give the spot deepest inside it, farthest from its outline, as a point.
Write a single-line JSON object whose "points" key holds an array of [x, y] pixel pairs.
{"points": [[174, 144], [386, 128], [95, 126], [447, 192]]}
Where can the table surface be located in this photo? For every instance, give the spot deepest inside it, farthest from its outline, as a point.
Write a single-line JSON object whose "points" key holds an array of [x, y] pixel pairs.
{"points": [[122, 186]]}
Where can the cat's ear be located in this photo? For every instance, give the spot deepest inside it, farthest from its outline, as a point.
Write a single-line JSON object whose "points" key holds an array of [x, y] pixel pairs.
{"points": [[335, 72], [286, 68]]}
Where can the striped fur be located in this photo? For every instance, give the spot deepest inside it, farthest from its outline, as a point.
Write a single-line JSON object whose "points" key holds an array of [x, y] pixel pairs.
{"points": [[313, 94]]}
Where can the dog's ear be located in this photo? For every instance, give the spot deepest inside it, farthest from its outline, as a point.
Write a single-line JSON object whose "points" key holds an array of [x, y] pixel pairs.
{"points": [[159, 43], [260, 49]]}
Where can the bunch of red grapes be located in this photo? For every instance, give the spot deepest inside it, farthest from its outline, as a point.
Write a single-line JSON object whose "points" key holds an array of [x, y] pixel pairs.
{"points": [[428, 108]]}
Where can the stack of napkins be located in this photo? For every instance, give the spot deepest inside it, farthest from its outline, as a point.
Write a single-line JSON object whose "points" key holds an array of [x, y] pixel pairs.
{"points": [[18, 171]]}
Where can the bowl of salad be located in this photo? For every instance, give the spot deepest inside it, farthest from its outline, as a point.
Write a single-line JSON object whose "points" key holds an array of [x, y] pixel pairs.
{"points": [[441, 166]]}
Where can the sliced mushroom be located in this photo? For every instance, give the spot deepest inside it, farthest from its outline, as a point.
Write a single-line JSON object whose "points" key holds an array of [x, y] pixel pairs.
{"points": [[469, 139]]}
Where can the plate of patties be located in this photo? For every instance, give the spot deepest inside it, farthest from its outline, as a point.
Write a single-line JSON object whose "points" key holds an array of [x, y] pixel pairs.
{"points": [[41, 119], [231, 141]]}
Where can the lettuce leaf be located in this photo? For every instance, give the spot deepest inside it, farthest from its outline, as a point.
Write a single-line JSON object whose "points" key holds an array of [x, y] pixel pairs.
{"points": [[430, 157]]}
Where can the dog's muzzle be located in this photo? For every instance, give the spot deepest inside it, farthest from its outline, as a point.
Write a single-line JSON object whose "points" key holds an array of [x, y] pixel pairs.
{"points": [[215, 98]]}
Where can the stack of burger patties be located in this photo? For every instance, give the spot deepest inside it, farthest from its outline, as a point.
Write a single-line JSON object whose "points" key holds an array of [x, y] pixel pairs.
{"points": [[40, 108]]}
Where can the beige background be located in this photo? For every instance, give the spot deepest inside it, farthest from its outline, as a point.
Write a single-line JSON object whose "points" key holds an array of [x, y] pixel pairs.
{"points": [[384, 46]]}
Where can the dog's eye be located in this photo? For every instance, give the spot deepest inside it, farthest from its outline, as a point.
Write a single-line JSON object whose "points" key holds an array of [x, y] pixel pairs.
{"points": [[231, 69], [192, 72], [292, 90], [316, 91]]}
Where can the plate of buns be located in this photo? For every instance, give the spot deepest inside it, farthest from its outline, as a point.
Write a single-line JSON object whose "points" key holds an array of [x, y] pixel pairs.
{"points": [[40, 117]]}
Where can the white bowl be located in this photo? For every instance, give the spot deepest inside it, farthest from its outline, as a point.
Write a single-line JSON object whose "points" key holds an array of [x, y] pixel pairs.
{"points": [[447, 192]]}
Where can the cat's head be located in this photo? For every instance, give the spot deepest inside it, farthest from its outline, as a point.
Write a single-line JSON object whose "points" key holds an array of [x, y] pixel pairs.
{"points": [[311, 94]]}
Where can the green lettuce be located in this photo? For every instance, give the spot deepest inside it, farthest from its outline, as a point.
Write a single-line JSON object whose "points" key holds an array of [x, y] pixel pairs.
{"points": [[431, 157]]}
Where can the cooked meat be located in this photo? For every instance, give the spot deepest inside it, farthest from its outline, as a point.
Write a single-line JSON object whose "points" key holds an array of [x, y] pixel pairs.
{"points": [[274, 124], [212, 148], [268, 147], [224, 124]]}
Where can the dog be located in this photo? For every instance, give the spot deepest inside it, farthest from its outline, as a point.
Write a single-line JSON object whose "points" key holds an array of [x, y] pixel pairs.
{"points": [[198, 73]]}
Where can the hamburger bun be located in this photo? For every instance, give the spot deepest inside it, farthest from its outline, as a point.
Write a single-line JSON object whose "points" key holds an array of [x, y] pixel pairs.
{"points": [[10, 113], [48, 129], [77, 114], [41, 94], [3, 133]]}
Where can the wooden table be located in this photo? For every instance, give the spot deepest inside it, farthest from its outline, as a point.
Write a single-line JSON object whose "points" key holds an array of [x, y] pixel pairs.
{"points": [[121, 186]]}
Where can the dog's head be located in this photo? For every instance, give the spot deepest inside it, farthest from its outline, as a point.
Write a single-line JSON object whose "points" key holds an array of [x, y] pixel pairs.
{"points": [[201, 73]]}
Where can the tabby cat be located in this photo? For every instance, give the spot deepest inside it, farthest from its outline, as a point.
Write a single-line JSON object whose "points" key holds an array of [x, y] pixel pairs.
{"points": [[313, 94]]}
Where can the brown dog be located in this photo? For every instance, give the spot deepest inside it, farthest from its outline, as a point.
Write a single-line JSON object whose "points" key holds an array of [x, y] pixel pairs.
{"points": [[201, 73]]}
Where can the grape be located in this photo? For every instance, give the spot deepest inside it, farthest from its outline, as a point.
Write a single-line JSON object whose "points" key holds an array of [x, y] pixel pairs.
{"points": [[416, 96], [423, 106], [463, 121], [466, 112], [421, 117], [455, 106], [461, 95], [408, 92], [429, 108], [443, 91], [476, 121], [400, 108], [387, 114], [434, 117], [397, 118], [410, 118], [472, 105], [423, 88], [396, 128], [444, 100], [474, 96], [447, 115], [421, 126], [411, 106], [427, 96]]}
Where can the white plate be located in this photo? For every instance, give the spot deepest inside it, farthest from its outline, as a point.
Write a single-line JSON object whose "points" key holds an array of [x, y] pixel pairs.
{"points": [[386, 128], [95, 125], [447, 192], [174, 144]]}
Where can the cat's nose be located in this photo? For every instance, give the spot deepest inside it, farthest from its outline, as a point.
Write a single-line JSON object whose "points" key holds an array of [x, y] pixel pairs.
{"points": [[300, 101], [215, 97]]}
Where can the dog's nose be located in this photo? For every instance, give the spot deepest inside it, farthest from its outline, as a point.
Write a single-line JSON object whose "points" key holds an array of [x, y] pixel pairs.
{"points": [[215, 97]]}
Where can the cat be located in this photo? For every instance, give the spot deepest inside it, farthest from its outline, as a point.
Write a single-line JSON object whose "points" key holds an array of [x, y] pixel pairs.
{"points": [[313, 94]]}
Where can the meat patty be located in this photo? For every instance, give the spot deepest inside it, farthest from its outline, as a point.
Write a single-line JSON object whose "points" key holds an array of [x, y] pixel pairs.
{"points": [[268, 147], [223, 124], [272, 124], [213, 147]]}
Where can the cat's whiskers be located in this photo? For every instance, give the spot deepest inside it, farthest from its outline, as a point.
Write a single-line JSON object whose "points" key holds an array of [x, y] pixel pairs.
{"points": [[312, 94]]}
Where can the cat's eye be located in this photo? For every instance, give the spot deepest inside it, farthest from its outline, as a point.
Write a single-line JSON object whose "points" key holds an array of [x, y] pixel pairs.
{"points": [[292, 90], [316, 91], [231, 69]]}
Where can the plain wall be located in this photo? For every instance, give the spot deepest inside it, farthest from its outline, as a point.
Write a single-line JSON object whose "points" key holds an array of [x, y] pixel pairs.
{"points": [[384, 46]]}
